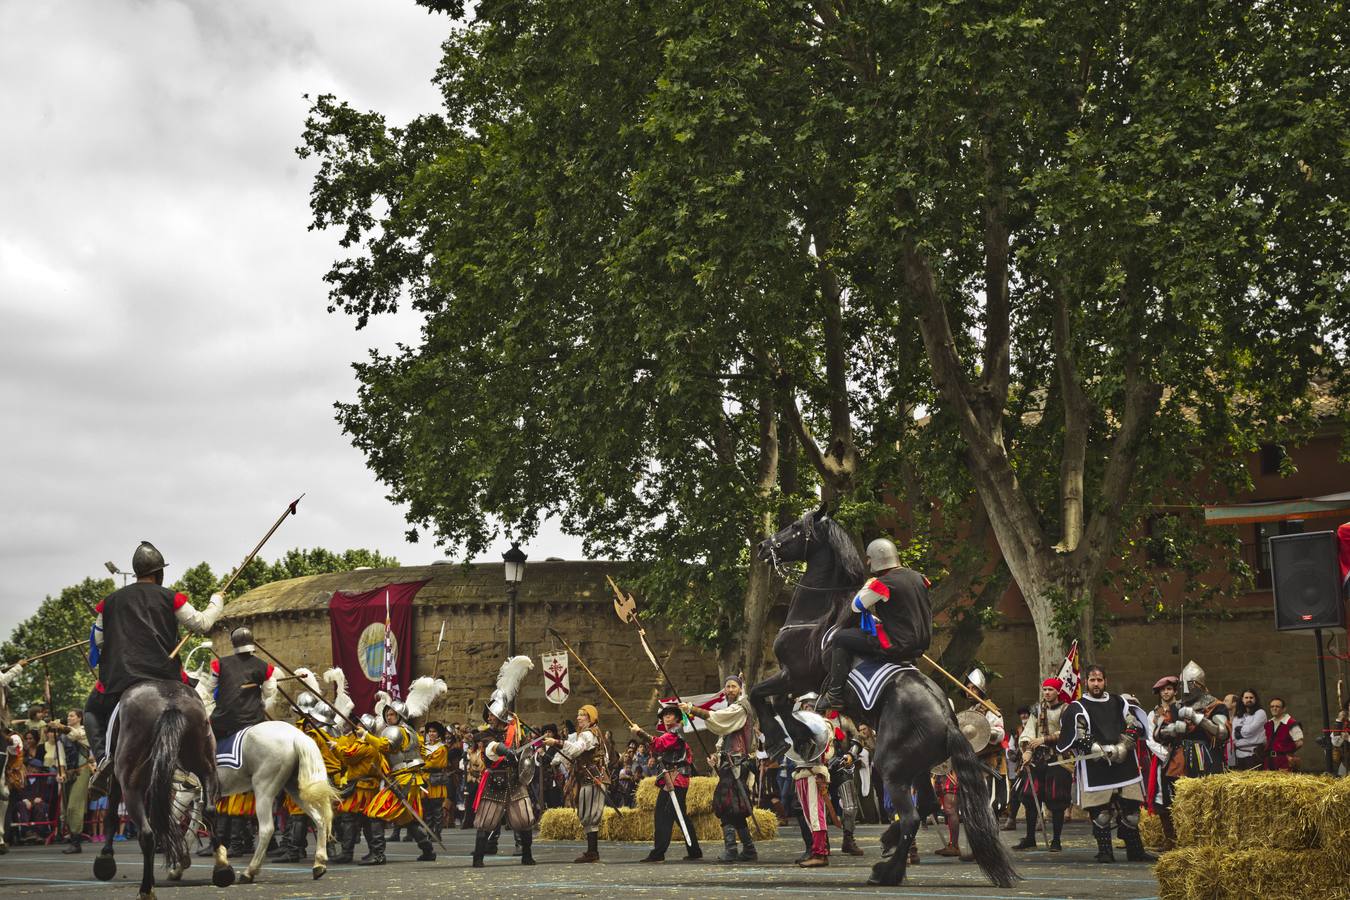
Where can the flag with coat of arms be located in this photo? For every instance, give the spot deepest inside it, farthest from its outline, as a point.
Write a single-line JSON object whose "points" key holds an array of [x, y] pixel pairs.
{"points": [[1071, 685], [557, 680]]}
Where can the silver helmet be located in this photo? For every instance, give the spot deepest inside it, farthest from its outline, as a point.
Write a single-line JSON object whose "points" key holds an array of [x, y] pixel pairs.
{"points": [[978, 679], [368, 722], [400, 709], [882, 555], [810, 697], [242, 640], [821, 733], [322, 713], [306, 702], [147, 560], [1191, 677]]}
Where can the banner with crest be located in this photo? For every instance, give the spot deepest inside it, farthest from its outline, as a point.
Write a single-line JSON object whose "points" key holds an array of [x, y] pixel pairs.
{"points": [[557, 681]]}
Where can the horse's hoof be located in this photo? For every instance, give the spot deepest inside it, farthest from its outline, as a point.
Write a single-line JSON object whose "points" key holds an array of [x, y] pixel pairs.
{"points": [[222, 876], [146, 895], [175, 874], [246, 878], [318, 872], [105, 867]]}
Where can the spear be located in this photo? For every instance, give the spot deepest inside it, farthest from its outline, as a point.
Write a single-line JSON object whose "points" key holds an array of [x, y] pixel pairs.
{"points": [[289, 511], [626, 609], [33, 659], [440, 640]]}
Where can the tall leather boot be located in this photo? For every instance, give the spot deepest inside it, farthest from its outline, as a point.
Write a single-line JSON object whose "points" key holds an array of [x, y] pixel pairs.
{"points": [[1134, 845], [850, 846], [479, 848], [1104, 852], [283, 848], [841, 660], [526, 842], [748, 851], [375, 837], [346, 828], [295, 839], [239, 835], [419, 836], [730, 853], [1169, 830]]}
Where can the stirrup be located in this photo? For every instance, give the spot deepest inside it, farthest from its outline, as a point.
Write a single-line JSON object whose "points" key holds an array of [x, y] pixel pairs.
{"points": [[98, 779]]}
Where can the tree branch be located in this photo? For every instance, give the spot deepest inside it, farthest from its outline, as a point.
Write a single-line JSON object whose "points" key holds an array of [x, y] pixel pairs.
{"points": [[1074, 459]]}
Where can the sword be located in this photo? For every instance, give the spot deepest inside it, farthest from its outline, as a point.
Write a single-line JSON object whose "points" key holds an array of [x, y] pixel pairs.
{"points": [[679, 813]]}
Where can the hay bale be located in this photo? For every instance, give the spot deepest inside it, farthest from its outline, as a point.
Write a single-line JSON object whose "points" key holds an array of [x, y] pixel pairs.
{"points": [[1216, 873], [1251, 810], [1333, 821], [1151, 831], [639, 825], [697, 800]]}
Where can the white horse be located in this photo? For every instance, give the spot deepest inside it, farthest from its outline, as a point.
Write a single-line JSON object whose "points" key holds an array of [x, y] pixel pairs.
{"points": [[278, 756]]}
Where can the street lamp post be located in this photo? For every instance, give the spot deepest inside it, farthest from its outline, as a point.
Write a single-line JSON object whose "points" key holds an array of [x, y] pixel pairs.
{"points": [[515, 574]]}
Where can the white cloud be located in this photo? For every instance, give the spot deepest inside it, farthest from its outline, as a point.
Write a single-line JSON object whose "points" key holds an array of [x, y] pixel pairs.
{"points": [[168, 363]]}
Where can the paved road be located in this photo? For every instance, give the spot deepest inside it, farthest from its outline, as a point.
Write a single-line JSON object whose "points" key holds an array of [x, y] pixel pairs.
{"points": [[1071, 874]]}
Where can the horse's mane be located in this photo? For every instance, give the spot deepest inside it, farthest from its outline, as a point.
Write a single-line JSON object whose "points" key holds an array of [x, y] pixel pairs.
{"points": [[845, 552]]}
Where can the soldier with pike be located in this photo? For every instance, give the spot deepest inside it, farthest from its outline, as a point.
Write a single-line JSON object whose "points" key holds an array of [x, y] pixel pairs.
{"points": [[503, 789], [734, 763]]}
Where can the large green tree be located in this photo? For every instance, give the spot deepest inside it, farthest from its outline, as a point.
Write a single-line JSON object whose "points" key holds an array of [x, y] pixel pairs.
{"points": [[677, 260]]}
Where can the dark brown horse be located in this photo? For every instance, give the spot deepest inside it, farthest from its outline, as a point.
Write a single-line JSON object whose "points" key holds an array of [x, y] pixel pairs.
{"points": [[914, 722], [160, 727]]}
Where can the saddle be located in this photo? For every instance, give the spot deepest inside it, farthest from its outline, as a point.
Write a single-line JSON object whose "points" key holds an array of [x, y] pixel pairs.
{"points": [[230, 750], [870, 677]]}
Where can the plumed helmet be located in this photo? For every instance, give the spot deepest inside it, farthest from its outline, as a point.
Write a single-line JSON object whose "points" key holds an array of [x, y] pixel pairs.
{"points": [[509, 679], [306, 702], [147, 560], [978, 680], [821, 732], [882, 555], [1191, 676], [322, 713], [368, 722], [242, 640]]}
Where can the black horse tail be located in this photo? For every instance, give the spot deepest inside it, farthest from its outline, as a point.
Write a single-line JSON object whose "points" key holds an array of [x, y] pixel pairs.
{"points": [[159, 790], [976, 813]]}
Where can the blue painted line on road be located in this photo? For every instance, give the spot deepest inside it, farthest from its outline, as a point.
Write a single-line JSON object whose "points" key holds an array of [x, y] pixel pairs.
{"points": [[4, 878]]}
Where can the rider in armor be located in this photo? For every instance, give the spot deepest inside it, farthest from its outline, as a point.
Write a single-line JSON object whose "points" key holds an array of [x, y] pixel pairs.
{"points": [[1047, 783], [135, 630], [504, 788], [734, 763], [896, 621], [587, 758], [1103, 728], [674, 762], [245, 687], [400, 802]]}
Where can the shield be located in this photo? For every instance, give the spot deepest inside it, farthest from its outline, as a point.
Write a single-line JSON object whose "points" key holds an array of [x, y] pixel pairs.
{"points": [[975, 727], [557, 681]]}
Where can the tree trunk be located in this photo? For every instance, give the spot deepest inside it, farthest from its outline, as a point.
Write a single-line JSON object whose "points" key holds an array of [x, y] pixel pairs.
{"points": [[968, 634], [759, 594]]}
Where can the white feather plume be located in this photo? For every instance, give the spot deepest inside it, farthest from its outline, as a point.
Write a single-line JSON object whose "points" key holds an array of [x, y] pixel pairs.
{"points": [[422, 693], [342, 701], [310, 681], [511, 676], [382, 699]]}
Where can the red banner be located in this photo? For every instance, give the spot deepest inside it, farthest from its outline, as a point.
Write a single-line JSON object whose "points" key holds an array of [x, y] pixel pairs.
{"points": [[360, 641]]}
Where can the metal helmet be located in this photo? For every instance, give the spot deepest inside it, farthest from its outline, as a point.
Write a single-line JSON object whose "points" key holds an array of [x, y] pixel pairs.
{"points": [[400, 709], [242, 640], [809, 697], [882, 555], [306, 702], [322, 713], [978, 679], [368, 722], [821, 733], [147, 560], [1191, 675]]}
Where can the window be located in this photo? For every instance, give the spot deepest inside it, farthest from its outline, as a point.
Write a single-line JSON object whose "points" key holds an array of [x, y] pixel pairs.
{"points": [[1272, 457], [1264, 532]]}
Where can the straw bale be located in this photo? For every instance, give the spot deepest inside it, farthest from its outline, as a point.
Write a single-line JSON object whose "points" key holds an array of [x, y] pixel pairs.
{"points": [[697, 800], [1333, 821], [1217, 873], [1252, 810], [1151, 830], [639, 825]]}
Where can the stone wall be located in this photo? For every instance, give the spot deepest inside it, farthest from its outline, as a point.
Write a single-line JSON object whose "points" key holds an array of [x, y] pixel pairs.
{"points": [[290, 619]]}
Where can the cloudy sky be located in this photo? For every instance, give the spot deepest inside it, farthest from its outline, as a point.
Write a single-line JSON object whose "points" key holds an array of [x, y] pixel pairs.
{"points": [[169, 366]]}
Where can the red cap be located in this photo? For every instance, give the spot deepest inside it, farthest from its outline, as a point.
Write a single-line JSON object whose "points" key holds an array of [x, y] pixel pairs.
{"points": [[1164, 682], [1053, 683]]}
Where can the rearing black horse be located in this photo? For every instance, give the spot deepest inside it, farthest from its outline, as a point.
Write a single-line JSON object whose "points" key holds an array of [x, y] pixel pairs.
{"points": [[915, 725]]}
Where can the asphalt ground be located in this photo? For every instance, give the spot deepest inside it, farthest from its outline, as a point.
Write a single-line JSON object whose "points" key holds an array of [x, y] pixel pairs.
{"points": [[1070, 874]]}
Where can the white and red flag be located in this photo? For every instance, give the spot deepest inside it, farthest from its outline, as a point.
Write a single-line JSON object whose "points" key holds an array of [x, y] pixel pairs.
{"points": [[1071, 685], [557, 681], [389, 671]]}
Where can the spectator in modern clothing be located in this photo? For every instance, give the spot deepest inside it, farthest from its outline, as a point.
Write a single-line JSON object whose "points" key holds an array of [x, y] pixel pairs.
{"points": [[1249, 732], [1284, 737]]}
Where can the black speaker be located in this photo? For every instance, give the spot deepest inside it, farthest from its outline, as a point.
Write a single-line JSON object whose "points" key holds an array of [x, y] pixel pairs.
{"points": [[1306, 577]]}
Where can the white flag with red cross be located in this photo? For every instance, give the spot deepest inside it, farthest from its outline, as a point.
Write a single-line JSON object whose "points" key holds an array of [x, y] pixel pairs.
{"points": [[557, 685]]}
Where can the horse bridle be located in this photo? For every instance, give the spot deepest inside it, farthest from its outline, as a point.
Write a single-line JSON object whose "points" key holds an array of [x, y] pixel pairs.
{"points": [[780, 566]]}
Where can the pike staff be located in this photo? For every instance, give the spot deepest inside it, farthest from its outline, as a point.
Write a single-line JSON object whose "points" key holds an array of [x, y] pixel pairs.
{"points": [[289, 511], [355, 726], [598, 682]]}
